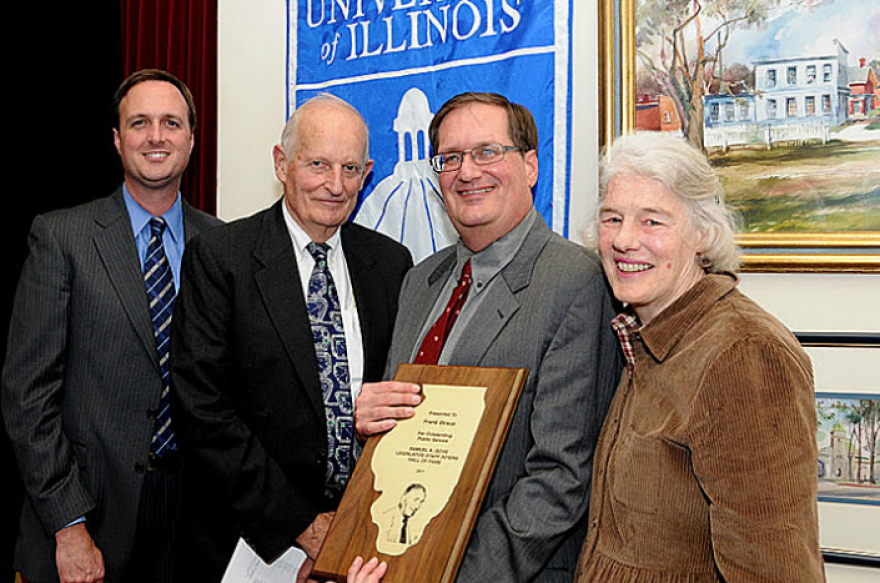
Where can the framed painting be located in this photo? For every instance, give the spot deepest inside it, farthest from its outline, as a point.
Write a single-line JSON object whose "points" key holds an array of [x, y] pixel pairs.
{"points": [[848, 440], [784, 98]]}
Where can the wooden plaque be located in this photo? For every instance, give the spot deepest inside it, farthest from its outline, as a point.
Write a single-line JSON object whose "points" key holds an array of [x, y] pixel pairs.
{"points": [[434, 553]]}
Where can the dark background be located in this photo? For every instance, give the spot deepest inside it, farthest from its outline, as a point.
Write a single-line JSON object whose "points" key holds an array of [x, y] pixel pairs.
{"points": [[64, 73]]}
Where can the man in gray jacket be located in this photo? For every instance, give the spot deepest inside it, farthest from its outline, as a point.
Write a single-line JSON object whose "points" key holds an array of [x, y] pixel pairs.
{"points": [[519, 295], [85, 385]]}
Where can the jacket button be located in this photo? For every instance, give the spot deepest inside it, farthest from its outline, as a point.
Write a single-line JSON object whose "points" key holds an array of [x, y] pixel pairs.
{"points": [[139, 467]]}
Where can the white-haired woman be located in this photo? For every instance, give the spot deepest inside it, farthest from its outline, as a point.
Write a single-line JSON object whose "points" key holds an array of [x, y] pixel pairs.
{"points": [[706, 465]]}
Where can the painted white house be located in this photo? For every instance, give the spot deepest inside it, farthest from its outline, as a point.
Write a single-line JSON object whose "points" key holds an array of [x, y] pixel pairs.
{"points": [[794, 99], [803, 88]]}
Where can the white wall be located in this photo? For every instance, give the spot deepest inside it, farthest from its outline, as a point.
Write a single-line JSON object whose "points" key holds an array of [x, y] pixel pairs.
{"points": [[251, 109], [252, 112]]}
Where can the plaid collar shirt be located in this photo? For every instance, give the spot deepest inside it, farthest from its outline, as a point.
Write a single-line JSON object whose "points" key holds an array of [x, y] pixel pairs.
{"points": [[627, 326]]}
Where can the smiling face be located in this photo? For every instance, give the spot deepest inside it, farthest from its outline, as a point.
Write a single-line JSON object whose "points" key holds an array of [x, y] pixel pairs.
{"points": [[154, 139], [647, 245], [484, 202], [325, 171]]}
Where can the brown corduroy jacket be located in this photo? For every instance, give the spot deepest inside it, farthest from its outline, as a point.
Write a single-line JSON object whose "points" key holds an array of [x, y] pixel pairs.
{"points": [[706, 465]]}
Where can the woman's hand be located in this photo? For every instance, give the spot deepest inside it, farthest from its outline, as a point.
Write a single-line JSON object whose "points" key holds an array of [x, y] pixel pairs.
{"points": [[370, 572]]}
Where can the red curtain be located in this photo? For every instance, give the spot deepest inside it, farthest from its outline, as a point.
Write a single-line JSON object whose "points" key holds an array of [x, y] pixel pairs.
{"points": [[180, 36]]}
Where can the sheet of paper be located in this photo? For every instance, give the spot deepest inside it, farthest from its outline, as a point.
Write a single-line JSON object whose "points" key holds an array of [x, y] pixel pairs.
{"points": [[247, 567]]}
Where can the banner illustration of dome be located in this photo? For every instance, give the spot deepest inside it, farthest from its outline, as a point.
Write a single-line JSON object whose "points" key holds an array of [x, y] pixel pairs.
{"points": [[407, 205]]}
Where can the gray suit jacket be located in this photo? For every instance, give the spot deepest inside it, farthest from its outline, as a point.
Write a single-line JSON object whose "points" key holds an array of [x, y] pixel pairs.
{"points": [[81, 381], [552, 316]]}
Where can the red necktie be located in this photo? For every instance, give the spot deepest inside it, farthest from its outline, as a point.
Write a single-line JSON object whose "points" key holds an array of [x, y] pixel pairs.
{"points": [[432, 345]]}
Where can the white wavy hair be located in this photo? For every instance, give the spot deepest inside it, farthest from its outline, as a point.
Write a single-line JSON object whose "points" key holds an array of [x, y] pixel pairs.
{"points": [[684, 171]]}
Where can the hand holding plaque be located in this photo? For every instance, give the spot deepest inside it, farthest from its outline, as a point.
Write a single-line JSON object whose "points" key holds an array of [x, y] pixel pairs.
{"points": [[417, 489]]}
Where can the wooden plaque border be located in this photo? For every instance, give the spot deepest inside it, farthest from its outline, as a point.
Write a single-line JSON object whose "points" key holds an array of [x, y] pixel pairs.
{"points": [[435, 558]]}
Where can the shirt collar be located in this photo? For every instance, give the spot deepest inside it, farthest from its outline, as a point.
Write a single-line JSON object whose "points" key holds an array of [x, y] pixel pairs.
{"points": [[301, 239], [140, 217], [662, 333], [489, 262], [626, 325]]}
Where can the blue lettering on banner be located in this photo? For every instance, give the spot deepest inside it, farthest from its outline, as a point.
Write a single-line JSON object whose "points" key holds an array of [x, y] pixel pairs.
{"points": [[398, 61]]}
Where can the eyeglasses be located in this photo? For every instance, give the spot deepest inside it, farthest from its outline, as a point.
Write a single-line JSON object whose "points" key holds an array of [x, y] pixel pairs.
{"points": [[482, 155]]}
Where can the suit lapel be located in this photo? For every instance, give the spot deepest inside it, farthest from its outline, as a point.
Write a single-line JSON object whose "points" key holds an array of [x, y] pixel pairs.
{"points": [[501, 303], [424, 294], [116, 247], [278, 280], [496, 309]]}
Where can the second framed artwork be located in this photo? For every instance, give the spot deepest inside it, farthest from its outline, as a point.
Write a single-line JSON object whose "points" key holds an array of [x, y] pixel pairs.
{"points": [[784, 98], [848, 438]]}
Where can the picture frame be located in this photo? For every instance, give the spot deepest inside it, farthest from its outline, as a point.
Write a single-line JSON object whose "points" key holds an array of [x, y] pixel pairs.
{"points": [[846, 374], [768, 249]]}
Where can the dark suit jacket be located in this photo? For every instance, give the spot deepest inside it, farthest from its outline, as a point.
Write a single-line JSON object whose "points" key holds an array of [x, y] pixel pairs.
{"points": [[551, 314], [81, 379], [249, 408]]}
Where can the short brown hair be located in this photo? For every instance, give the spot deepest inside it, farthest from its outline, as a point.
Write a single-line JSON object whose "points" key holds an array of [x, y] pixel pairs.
{"points": [[144, 75], [520, 123]]}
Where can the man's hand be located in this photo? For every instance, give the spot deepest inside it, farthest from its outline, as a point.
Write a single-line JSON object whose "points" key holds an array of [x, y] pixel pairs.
{"points": [[76, 556], [313, 537], [380, 405]]}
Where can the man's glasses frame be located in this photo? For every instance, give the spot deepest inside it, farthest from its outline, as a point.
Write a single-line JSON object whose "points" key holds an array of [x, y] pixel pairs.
{"points": [[481, 155]]}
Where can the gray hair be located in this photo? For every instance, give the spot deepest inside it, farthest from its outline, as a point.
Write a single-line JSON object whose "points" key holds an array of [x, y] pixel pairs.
{"points": [[289, 134], [684, 171]]}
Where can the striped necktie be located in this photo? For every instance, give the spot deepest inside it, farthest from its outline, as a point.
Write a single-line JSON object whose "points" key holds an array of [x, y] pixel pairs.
{"points": [[159, 282]]}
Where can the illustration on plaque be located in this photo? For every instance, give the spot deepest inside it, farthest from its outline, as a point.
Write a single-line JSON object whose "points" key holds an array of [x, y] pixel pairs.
{"points": [[396, 519], [417, 465]]}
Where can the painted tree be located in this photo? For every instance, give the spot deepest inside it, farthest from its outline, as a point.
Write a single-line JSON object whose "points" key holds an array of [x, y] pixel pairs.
{"points": [[735, 79], [680, 42], [852, 414], [870, 414]]}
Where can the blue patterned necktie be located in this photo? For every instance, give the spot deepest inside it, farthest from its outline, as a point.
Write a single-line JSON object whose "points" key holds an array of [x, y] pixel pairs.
{"points": [[160, 293], [325, 315]]}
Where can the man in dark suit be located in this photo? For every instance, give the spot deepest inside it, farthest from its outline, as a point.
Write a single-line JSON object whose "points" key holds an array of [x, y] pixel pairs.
{"points": [[85, 386], [281, 316], [529, 298]]}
